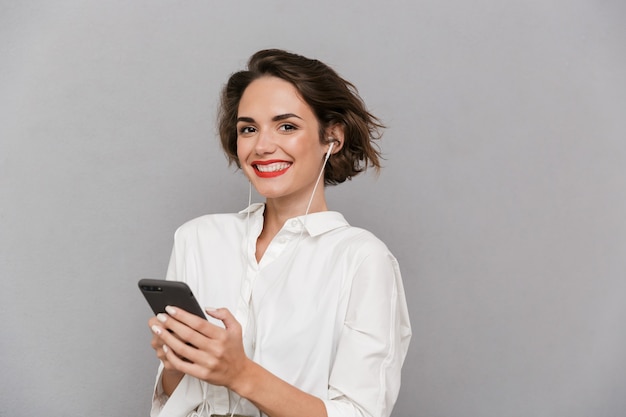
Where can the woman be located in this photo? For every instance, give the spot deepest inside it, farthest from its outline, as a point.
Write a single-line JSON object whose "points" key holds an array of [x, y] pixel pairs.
{"points": [[312, 318]]}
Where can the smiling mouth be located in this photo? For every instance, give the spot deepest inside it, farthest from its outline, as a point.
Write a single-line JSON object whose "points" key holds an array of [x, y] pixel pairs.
{"points": [[271, 169], [274, 167]]}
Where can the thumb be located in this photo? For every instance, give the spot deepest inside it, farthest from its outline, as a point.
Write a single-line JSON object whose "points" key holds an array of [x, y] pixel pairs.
{"points": [[224, 315]]}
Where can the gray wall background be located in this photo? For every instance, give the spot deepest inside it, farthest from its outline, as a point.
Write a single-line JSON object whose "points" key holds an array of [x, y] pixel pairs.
{"points": [[503, 197]]}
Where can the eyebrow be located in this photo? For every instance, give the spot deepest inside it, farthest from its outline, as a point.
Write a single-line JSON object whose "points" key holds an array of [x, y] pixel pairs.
{"points": [[276, 118]]}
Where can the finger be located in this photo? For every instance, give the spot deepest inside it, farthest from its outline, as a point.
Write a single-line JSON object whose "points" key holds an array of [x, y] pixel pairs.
{"points": [[186, 342], [191, 321], [158, 330], [165, 330], [168, 342], [163, 324], [225, 316], [178, 362], [157, 344], [153, 321], [184, 316]]}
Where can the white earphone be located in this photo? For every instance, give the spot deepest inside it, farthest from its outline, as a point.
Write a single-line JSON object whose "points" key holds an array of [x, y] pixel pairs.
{"points": [[330, 148]]}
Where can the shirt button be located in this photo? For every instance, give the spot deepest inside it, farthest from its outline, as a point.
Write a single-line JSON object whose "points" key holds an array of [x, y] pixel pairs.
{"points": [[294, 223]]}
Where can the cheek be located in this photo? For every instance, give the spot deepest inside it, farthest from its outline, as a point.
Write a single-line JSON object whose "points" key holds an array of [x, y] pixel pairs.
{"points": [[241, 151]]}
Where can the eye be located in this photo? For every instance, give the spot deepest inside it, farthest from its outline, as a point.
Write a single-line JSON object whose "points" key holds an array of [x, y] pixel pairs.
{"points": [[287, 127], [246, 130]]}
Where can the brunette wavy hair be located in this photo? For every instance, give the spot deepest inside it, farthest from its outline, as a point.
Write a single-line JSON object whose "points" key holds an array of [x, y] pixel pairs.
{"points": [[334, 101]]}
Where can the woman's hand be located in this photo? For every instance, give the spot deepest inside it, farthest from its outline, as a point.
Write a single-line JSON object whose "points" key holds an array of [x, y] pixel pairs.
{"points": [[216, 355], [200, 348], [170, 377]]}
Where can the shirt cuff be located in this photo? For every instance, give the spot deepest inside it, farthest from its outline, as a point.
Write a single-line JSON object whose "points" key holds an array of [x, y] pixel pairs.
{"points": [[159, 398], [342, 407]]}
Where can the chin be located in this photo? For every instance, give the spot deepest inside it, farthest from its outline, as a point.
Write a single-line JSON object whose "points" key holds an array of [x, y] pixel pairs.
{"points": [[269, 194]]}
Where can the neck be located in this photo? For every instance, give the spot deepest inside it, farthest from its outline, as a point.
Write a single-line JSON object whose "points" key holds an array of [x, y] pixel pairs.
{"points": [[279, 210]]}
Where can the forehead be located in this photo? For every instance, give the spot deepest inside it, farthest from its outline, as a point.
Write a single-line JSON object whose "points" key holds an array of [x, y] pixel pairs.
{"points": [[272, 96]]}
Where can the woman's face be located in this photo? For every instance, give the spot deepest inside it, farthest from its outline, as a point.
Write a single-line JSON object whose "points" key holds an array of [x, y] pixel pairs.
{"points": [[278, 141]]}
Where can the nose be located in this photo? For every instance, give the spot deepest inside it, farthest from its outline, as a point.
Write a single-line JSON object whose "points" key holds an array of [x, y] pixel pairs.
{"points": [[265, 143]]}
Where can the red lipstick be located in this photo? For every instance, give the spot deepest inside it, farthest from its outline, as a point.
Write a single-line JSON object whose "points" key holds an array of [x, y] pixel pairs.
{"points": [[271, 168]]}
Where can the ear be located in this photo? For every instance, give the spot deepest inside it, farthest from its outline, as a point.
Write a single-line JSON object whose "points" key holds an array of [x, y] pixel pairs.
{"points": [[335, 135]]}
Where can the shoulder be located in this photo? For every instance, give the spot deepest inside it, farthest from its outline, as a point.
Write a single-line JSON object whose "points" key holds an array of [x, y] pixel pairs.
{"points": [[210, 226], [333, 229], [360, 243], [221, 221], [209, 220]]}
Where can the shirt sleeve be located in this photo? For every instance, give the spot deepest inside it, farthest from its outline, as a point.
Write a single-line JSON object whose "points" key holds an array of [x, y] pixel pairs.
{"points": [[185, 398], [365, 377], [188, 394]]}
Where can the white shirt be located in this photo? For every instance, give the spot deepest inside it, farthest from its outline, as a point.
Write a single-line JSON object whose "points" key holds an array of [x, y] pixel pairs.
{"points": [[324, 309]]}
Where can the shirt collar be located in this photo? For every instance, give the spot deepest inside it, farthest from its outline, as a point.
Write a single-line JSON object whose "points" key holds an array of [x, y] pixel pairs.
{"points": [[314, 223]]}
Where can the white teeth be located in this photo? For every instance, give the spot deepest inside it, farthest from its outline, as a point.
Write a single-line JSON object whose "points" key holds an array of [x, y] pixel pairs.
{"points": [[278, 166]]}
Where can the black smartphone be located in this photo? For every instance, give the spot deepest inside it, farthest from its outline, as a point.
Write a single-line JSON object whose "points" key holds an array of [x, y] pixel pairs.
{"points": [[160, 293]]}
